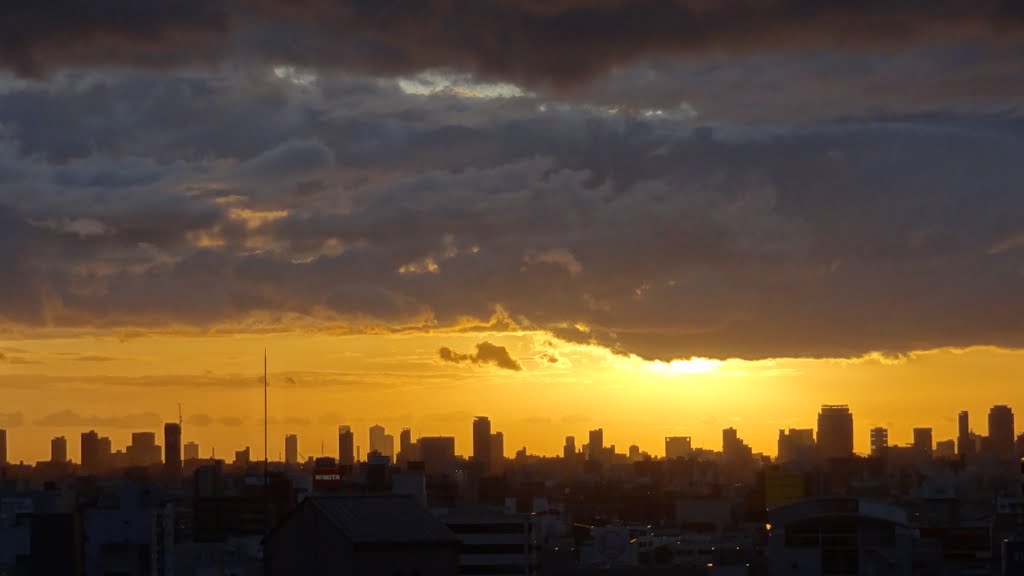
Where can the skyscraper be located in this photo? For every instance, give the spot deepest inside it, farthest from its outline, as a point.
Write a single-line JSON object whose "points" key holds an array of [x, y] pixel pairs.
{"points": [[795, 443], [91, 452], [923, 440], [678, 447], [143, 451], [596, 446], [835, 432], [964, 442], [172, 448], [59, 450], [405, 451], [346, 446], [3, 447], [437, 454], [291, 449], [879, 442], [569, 450], [482, 442], [497, 452], [377, 440], [191, 451], [1000, 431], [388, 449]]}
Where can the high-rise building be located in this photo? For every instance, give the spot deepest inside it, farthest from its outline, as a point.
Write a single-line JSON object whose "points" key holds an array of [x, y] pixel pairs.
{"points": [[59, 450], [923, 440], [172, 447], [482, 442], [91, 452], [964, 442], [3, 447], [596, 446], [497, 452], [437, 454], [291, 449], [389, 447], [569, 449], [795, 443], [733, 448], [242, 457], [377, 438], [678, 447], [143, 451], [879, 442], [191, 451], [346, 446], [405, 451], [1000, 432], [104, 451], [945, 449], [835, 432]]}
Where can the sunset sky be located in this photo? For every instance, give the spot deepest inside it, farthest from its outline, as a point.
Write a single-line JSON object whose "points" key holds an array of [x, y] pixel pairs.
{"points": [[660, 217]]}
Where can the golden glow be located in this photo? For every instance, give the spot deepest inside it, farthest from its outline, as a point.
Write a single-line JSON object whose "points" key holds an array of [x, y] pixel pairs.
{"points": [[322, 379]]}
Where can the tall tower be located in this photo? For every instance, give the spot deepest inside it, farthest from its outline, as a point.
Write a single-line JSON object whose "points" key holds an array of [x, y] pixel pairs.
{"points": [[91, 452], [596, 444], [482, 442], [291, 449], [172, 448], [1000, 432], [964, 442], [835, 432], [378, 439], [346, 446], [879, 442], [923, 440], [405, 451], [3, 447], [59, 450]]}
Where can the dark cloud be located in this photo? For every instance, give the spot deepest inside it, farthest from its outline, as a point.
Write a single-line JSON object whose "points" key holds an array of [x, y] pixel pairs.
{"points": [[486, 353], [199, 420], [231, 421], [72, 419], [11, 419], [538, 43]]}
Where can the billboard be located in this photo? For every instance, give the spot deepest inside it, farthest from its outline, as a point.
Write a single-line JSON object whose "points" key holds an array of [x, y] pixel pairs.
{"points": [[327, 479]]}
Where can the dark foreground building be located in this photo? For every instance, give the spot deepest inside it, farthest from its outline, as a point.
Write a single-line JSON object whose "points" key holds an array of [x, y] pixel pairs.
{"points": [[383, 535]]}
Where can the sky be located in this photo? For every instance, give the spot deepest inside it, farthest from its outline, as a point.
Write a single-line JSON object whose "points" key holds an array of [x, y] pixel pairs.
{"points": [[662, 217]]}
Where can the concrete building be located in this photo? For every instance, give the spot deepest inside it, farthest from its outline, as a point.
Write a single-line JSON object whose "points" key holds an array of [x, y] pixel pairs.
{"points": [[361, 535], [835, 432], [291, 449], [840, 536]]}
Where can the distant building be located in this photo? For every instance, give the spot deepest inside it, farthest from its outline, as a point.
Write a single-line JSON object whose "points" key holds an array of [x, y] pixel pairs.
{"points": [[59, 450], [3, 446], [377, 439], [172, 448], [482, 442], [291, 449], [678, 447], [835, 432], [346, 446], [879, 442], [569, 449], [437, 454], [923, 440], [243, 457], [497, 452], [191, 451], [405, 447], [596, 444], [389, 446], [1001, 435], [143, 451], [733, 448], [90, 458], [965, 445], [492, 542], [945, 449], [381, 535], [795, 444]]}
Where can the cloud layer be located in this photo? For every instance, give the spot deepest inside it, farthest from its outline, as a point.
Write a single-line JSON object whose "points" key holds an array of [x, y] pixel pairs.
{"points": [[486, 353]]}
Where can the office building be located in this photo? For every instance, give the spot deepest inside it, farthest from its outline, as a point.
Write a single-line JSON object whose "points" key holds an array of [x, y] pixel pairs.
{"points": [[172, 447], [405, 451], [678, 447], [143, 451], [569, 449], [923, 440], [1001, 432], [596, 445], [497, 453], [482, 442], [388, 449], [3, 447], [437, 454], [377, 439], [835, 432], [879, 442], [243, 457], [291, 449], [796, 444], [945, 449], [59, 450], [964, 443], [346, 446], [191, 451], [90, 452]]}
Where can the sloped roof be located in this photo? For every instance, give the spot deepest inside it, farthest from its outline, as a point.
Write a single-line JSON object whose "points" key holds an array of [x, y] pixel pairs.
{"points": [[383, 519]]}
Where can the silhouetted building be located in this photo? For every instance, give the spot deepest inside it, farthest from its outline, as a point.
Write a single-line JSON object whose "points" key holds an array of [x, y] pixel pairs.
{"points": [[923, 440], [172, 448], [291, 449], [380, 535], [1000, 432], [835, 432], [346, 446], [497, 453], [191, 451], [242, 457], [678, 447], [377, 439], [596, 445], [405, 449], [59, 450], [965, 445], [569, 449], [143, 451], [91, 452], [437, 454], [3, 446], [879, 442], [796, 443], [389, 446], [945, 449], [482, 442]]}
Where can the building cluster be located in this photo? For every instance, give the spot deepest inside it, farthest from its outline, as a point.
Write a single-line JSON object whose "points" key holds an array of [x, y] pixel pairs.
{"points": [[952, 507]]}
